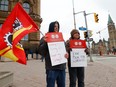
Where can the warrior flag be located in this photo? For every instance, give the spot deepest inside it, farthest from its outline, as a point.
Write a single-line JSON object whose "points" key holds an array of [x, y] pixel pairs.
{"points": [[16, 26]]}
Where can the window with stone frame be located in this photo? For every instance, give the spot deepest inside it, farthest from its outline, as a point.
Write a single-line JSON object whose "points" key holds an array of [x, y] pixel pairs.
{"points": [[26, 6], [25, 38], [4, 5]]}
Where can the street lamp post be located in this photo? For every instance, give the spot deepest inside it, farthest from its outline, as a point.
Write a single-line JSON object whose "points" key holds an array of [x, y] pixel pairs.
{"points": [[74, 14], [91, 60]]}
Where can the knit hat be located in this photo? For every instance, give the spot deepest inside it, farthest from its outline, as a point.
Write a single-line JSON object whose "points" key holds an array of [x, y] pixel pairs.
{"points": [[74, 31]]}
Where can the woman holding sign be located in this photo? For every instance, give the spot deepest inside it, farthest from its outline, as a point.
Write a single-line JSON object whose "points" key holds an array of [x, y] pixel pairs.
{"points": [[75, 72], [55, 63]]}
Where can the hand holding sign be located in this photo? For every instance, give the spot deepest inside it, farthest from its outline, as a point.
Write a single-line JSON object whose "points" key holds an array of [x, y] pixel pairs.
{"points": [[56, 48], [78, 55], [66, 55]]}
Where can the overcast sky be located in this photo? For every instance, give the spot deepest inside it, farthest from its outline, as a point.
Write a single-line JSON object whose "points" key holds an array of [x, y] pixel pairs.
{"points": [[62, 11]]}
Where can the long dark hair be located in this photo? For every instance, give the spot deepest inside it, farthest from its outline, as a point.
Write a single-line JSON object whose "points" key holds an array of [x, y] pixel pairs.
{"points": [[51, 26]]}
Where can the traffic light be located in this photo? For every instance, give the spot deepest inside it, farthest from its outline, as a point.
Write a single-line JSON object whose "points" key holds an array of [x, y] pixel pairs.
{"points": [[85, 34], [96, 17]]}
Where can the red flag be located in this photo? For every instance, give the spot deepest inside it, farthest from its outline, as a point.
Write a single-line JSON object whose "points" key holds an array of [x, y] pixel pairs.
{"points": [[16, 53], [19, 23], [19, 53], [16, 26]]}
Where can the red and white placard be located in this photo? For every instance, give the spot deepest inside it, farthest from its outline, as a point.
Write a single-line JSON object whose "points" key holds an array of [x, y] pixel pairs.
{"points": [[56, 48], [78, 55]]}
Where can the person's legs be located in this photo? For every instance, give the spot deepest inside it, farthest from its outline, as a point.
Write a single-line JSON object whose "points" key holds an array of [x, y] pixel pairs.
{"points": [[32, 55], [51, 77], [27, 56], [80, 76], [61, 78], [72, 77], [36, 56], [42, 58]]}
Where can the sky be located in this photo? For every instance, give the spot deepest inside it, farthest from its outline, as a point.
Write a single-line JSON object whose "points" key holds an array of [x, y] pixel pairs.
{"points": [[62, 11]]}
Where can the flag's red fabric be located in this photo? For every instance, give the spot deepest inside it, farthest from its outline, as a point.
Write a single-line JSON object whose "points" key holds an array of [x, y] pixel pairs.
{"points": [[16, 26], [19, 53], [19, 23]]}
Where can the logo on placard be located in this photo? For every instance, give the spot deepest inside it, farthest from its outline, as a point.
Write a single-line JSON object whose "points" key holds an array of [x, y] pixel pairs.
{"points": [[57, 36], [54, 36], [78, 43]]}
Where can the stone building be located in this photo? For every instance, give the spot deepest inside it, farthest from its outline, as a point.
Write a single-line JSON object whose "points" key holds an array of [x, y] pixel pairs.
{"points": [[103, 46], [112, 33], [32, 7]]}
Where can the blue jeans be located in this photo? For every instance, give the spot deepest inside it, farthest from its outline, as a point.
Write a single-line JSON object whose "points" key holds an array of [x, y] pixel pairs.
{"points": [[57, 76]]}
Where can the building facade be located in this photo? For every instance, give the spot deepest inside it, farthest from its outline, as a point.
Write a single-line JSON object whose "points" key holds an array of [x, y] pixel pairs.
{"points": [[112, 33], [103, 46], [32, 7]]}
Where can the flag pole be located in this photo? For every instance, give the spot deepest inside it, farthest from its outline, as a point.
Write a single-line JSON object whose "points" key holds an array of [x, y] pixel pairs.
{"points": [[74, 14], [42, 33]]}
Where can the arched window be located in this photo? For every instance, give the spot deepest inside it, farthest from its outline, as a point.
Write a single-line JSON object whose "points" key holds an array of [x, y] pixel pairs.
{"points": [[4, 5], [26, 6], [25, 38]]}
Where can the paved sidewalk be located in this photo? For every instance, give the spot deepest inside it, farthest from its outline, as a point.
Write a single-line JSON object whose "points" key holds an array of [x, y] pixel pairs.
{"points": [[33, 74]]}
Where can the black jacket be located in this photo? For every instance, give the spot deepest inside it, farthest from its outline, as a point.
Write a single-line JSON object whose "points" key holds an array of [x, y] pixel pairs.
{"points": [[43, 50]]}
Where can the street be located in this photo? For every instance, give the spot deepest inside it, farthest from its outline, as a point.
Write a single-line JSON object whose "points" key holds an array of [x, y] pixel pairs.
{"points": [[100, 73], [108, 61]]}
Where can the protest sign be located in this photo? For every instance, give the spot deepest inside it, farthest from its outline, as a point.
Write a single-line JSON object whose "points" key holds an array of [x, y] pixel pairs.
{"points": [[56, 48], [78, 55]]}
